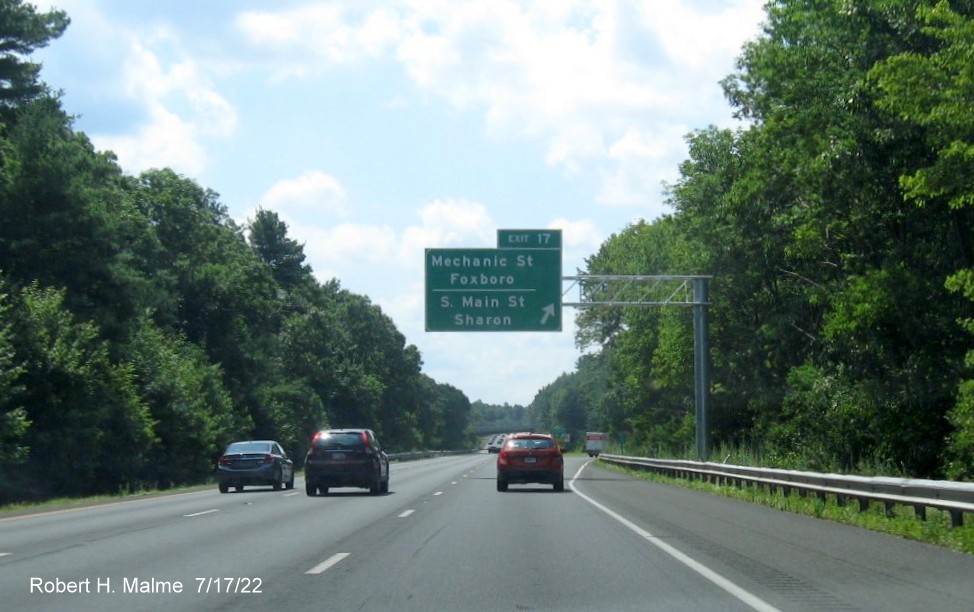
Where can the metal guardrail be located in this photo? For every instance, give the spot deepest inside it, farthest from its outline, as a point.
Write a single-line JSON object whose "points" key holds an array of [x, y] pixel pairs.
{"points": [[955, 498]]}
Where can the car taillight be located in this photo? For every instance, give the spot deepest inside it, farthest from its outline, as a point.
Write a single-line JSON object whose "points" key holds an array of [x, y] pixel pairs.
{"points": [[267, 459], [365, 438], [223, 460], [317, 436]]}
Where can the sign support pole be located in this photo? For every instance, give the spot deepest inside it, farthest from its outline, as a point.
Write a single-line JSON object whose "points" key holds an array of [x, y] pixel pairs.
{"points": [[701, 365]]}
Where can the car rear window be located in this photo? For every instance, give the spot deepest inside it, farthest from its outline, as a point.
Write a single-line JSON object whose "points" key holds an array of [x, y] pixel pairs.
{"points": [[531, 443], [248, 447], [339, 441]]}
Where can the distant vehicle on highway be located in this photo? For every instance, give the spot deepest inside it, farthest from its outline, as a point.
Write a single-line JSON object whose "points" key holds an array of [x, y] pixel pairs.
{"points": [[345, 458], [254, 463], [528, 458], [594, 443], [496, 443]]}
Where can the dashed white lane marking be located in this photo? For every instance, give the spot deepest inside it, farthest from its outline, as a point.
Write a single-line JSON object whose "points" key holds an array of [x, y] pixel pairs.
{"points": [[291, 494], [745, 596], [324, 565], [202, 513], [406, 513], [437, 493], [5, 554]]}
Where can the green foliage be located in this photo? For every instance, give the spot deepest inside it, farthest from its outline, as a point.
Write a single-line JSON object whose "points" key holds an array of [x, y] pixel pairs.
{"points": [[577, 402], [444, 420], [836, 298], [491, 419], [284, 256], [827, 421], [14, 422], [141, 329], [89, 427], [22, 30], [933, 91], [191, 410]]}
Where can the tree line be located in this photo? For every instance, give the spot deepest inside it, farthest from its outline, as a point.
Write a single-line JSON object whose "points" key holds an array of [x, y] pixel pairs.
{"points": [[837, 224], [142, 328]]}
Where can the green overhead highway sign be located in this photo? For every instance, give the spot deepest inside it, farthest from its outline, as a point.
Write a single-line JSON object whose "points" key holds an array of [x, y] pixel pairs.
{"points": [[528, 239], [509, 289]]}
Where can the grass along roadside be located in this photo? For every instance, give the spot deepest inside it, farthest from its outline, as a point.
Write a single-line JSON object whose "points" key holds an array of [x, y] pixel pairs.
{"points": [[936, 529], [71, 503]]}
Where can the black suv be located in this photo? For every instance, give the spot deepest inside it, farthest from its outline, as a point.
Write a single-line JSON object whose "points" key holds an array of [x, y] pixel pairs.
{"points": [[345, 458]]}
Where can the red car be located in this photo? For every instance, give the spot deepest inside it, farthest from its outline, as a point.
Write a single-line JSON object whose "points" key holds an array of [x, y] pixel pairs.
{"points": [[530, 457]]}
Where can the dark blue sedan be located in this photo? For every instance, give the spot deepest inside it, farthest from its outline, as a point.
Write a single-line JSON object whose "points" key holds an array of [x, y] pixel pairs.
{"points": [[254, 463]]}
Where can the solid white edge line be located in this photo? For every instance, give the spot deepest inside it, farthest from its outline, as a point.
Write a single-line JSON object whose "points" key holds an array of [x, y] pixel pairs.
{"points": [[745, 596], [332, 560], [201, 513]]}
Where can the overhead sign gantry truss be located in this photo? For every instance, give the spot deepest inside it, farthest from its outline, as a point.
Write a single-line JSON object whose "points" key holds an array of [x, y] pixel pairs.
{"points": [[620, 291]]}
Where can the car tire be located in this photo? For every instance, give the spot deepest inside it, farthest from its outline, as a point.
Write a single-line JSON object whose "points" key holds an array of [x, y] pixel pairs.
{"points": [[290, 482], [501, 484], [278, 481], [385, 486], [310, 489], [376, 486], [224, 488], [560, 485]]}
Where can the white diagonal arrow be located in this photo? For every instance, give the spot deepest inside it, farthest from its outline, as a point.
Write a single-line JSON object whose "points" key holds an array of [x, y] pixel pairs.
{"points": [[549, 311]]}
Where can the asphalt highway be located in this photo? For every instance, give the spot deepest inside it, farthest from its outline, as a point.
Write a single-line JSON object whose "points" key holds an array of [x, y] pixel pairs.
{"points": [[444, 539]]}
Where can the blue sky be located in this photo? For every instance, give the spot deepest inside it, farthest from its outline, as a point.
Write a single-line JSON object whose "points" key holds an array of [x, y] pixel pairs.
{"points": [[378, 129]]}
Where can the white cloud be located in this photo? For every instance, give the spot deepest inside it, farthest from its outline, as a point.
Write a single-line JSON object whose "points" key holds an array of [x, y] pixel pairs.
{"points": [[574, 144], [347, 245], [165, 140], [312, 192], [313, 37], [604, 89], [692, 38], [446, 223], [643, 160], [579, 76], [180, 109], [583, 233], [575, 75]]}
